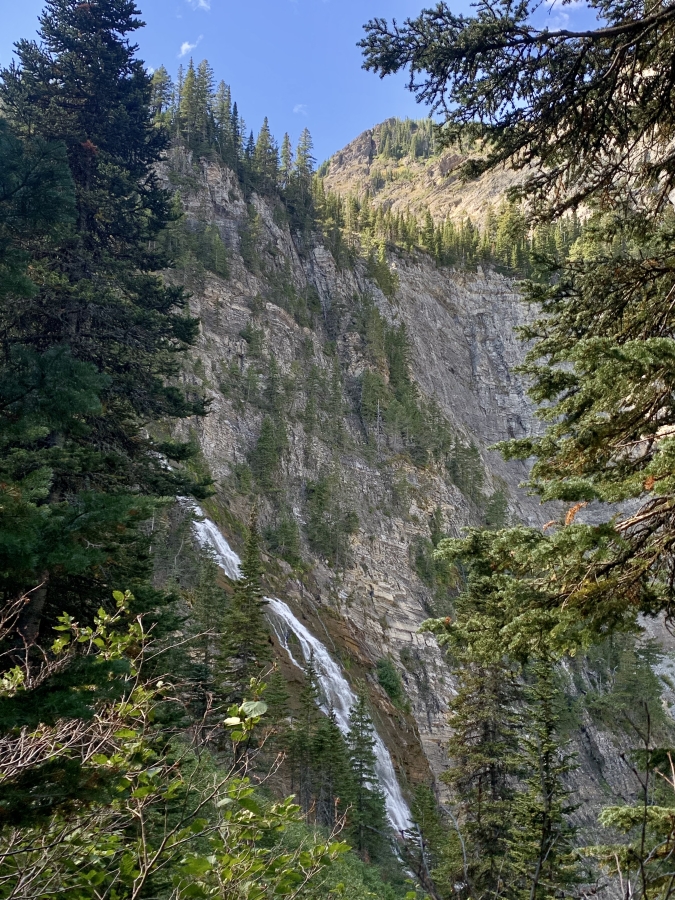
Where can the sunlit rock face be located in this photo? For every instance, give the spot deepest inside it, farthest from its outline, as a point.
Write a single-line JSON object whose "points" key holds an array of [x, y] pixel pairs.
{"points": [[463, 352]]}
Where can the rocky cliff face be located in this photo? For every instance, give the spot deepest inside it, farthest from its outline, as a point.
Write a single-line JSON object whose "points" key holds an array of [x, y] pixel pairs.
{"points": [[370, 602]]}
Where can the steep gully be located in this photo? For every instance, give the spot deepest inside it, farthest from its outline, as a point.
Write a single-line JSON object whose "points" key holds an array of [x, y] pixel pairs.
{"points": [[337, 694]]}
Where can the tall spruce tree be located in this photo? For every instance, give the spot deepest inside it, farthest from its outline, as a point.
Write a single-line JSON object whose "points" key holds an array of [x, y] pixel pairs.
{"points": [[542, 857], [204, 116], [303, 736], [97, 310], [222, 113], [333, 779], [286, 165], [368, 817], [188, 111], [246, 648], [299, 187], [162, 96], [266, 160], [483, 750]]}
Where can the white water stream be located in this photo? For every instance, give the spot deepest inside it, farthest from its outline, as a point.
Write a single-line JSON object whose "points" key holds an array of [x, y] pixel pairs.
{"points": [[208, 534], [337, 694]]}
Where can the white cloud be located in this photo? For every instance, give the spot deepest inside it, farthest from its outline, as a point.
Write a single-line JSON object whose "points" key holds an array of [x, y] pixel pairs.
{"points": [[200, 4], [186, 47], [300, 109]]}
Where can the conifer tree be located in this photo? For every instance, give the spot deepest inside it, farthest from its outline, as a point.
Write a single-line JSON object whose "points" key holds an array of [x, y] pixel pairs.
{"points": [[99, 306], [208, 604], [286, 160], [188, 111], [176, 101], [266, 160], [368, 817], [304, 160], [237, 132], [266, 456], [429, 233], [483, 750], [277, 697], [162, 96], [246, 647], [542, 859], [333, 780], [204, 117], [299, 189], [222, 114], [303, 736]]}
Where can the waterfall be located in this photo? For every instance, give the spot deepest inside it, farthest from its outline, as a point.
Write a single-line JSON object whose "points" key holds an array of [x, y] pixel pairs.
{"points": [[208, 535], [336, 690], [338, 694]]}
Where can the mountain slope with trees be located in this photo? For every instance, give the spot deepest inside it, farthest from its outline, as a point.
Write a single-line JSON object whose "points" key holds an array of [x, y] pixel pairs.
{"points": [[191, 312]]}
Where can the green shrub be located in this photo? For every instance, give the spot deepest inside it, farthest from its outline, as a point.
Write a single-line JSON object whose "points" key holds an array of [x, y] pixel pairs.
{"points": [[390, 680]]}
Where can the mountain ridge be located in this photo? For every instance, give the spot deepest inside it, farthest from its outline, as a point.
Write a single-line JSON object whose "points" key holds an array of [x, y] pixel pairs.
{"points": [[413, 183]]}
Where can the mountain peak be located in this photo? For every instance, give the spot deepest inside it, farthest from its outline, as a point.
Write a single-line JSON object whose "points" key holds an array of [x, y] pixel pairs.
{"points": [[400, 166]]}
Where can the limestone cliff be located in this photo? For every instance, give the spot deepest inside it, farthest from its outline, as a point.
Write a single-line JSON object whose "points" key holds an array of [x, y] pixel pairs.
{"points": [[285, 316]]}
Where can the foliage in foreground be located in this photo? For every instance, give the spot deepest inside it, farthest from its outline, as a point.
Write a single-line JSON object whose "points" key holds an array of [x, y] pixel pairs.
{"points": [[161, 816]]}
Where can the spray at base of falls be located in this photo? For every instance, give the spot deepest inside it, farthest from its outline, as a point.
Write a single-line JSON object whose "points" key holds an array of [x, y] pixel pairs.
{"points": [[337, 693]]}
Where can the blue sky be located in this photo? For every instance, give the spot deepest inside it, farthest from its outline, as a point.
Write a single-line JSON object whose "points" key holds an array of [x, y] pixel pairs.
{"points": [[295, 61]]}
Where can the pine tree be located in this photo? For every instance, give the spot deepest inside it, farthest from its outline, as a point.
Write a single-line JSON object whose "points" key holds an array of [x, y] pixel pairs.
{"points": [[276, 698], [304, 160], [162, 96], [438, 842], [208, 604], [483, 751], [303, 736], [176, 102], [541, 849], [188, 111], [265, 458], [204, 125], [299, 188], [237, 132], [429, 233], [333, 779], [222, 114], [99, 308], [246, 647], [368, 817], [266, 160], [286, 160]]}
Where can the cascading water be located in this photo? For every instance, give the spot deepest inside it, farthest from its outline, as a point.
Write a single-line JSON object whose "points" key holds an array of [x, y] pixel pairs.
{"points": [[337, 694], [208, 534]]}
